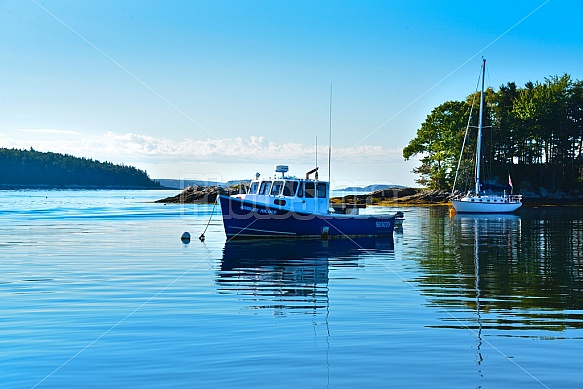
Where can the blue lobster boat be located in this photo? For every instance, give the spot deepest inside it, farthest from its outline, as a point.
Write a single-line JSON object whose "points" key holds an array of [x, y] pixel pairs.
{"points": [[289, 207]]}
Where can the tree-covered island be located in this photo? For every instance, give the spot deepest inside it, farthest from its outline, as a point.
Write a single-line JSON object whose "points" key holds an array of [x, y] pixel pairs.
{"points": [[34, 169], [533, 134]]}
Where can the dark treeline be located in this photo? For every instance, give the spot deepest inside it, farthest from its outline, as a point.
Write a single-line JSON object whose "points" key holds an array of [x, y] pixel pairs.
{"points": [[534, 133], [30, 168]]}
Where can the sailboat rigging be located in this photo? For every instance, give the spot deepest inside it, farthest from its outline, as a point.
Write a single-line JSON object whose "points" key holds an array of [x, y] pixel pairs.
{"points": [[477, 201]]}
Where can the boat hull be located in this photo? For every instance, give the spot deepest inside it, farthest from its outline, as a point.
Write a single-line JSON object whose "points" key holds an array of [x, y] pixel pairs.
{"points": [[469, 206], [246, 219]]}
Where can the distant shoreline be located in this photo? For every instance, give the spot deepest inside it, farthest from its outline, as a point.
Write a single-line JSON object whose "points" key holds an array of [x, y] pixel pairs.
{"points": [[396, 197], [393, 197]]}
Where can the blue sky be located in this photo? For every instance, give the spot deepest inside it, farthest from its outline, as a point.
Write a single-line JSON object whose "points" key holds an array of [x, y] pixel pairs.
{"points": [[223, 89]]}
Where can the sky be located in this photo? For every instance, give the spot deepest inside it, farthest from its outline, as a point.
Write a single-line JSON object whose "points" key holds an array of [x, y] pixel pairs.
{"points": [[220, 90]]}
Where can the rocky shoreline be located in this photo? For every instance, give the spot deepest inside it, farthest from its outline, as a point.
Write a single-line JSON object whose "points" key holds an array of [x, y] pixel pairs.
{"points": [[199, 195], [387, 197]]}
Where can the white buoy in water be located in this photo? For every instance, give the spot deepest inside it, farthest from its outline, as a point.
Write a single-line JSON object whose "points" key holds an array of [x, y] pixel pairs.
{"points": [[185, 238]]}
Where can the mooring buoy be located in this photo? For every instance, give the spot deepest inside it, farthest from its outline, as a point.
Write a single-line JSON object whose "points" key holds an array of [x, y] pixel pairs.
{"points": [[185, 238]]}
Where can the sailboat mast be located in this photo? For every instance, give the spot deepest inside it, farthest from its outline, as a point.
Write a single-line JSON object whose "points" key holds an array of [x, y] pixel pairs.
{"points": [[330, 139], [479, 142]]}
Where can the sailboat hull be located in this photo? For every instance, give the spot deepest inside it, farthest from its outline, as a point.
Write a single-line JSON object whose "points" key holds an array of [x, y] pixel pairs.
{"points": [[486, 204]]}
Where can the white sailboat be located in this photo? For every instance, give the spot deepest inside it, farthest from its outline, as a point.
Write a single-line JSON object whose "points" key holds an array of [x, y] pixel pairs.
{"points": [[477, 201]]}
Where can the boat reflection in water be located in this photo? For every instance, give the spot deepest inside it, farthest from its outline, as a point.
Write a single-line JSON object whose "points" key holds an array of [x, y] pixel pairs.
{"points": [[465, 285], [290, 275], [485, 248], [501, 225]]}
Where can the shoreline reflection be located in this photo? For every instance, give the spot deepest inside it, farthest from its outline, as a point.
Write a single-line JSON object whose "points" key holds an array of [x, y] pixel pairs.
{"points": [[518, 272]]}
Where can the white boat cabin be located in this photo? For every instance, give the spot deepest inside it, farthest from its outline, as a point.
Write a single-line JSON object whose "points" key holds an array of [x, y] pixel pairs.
{"points": [[298, 195]]}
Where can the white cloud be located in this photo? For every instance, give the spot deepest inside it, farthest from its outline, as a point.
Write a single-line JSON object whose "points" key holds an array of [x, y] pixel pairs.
{"points": [[120, 146], [163, 157]]}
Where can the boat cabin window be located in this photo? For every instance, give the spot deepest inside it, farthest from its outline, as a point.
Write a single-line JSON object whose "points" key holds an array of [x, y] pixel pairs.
{"points": [[264, 188], [301, 190], [290, 188], [253, 188], [321, 190], [310, 190], [276, 188]]}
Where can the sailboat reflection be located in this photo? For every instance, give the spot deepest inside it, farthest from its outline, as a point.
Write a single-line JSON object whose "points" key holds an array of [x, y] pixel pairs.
{"points": [[289, 275], [482, 226], [479, 358]]}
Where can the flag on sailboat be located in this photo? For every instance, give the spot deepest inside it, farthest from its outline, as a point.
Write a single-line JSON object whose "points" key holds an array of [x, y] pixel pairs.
{"points": [[509, 181]]}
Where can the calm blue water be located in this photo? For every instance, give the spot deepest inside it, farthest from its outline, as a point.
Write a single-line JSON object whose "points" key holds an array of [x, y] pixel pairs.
{"points": [[97, 290]]}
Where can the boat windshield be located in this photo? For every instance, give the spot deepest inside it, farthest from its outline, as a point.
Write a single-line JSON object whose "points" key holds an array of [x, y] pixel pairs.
{"points": [[264, 188], [253, 188], [276, 188], [310, 190], [290, 188], [321, 190]]}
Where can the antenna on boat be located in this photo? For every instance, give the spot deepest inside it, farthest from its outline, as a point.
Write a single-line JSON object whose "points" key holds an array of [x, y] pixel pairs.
{"points": [[316, 150], [330, 138]]}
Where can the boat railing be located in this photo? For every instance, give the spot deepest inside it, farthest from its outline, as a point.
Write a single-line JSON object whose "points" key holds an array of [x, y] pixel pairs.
{"points": [[514, 198]]}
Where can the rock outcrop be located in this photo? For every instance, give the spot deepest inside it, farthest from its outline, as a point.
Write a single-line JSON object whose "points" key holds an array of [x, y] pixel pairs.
{"points": [[200, 195], [396, 196], [208, 194]]}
